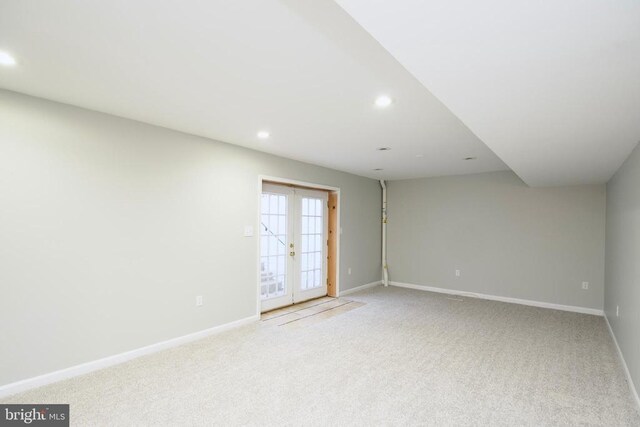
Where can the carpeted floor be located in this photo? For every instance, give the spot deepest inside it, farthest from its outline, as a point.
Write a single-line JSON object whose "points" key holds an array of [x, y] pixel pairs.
{"points": [[403, 357]]}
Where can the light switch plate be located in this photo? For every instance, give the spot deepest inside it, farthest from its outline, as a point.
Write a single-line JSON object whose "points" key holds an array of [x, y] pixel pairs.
{"points": [[248, 231]]}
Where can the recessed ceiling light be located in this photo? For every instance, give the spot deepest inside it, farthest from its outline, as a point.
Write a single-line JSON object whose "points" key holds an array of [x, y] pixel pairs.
{"points": [[378, 169], [6, 59], [263, 134], [384, 148], [383, 101], [470, 158]]}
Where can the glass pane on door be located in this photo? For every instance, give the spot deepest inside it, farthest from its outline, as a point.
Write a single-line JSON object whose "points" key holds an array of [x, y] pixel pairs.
{"points": [[312, 240], [273, 246]]}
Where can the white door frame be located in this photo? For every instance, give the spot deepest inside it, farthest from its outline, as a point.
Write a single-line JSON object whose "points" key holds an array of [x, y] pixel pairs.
{"points": [[286, 181]]}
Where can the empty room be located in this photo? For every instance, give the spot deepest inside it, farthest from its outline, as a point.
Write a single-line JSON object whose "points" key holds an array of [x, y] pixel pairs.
{"points": [[319, 212]]}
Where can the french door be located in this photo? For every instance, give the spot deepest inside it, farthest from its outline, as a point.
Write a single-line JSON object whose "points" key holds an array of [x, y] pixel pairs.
{"points": [[293, 245]]}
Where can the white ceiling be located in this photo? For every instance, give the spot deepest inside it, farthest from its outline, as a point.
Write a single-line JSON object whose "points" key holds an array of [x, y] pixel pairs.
{"points": [[303, 70], [552, 87]]}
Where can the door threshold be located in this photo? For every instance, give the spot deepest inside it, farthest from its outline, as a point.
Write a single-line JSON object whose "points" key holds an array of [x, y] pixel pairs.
{"points": [[301, 305], [321, 309]]}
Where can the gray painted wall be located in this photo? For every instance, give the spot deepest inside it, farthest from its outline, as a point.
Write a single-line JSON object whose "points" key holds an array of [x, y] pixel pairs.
{"points": [[507, 239], [110, 228], [623, 261]]}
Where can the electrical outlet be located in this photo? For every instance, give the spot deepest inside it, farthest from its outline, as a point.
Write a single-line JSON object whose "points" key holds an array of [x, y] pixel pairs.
{"points": [[199, 301], [349, 271], [617, 311], [457, 273], [585, 285]]}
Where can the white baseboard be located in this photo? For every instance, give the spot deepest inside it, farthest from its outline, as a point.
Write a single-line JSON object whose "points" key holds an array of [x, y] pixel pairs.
{"points": [[359, 288], [632, 386], [571, 308], [95, 365]]}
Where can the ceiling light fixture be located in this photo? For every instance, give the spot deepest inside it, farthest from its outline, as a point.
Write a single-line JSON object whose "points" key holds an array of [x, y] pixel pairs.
{"points": [[378, 169], [383, 101], [6, 59], [263, 134], [470, 158], [384, 148]]}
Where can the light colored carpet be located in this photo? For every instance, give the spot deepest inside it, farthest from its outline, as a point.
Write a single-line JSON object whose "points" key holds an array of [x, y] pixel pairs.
{"points": [[405, 357]]}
